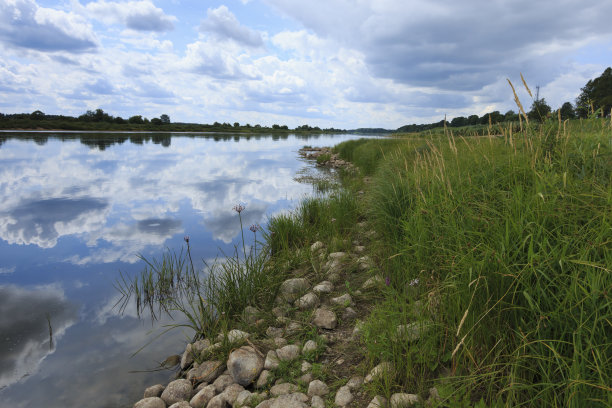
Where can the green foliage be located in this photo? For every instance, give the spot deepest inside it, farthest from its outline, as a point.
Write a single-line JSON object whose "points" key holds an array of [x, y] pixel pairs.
{"points": [[596, 95], [539, 110]]}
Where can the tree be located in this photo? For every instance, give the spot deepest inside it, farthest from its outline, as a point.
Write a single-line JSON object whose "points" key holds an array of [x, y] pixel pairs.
{"points": [[596, 94], [236, 124], [539, 110], [37, 115], [156, 121], [459, 121], [136, 119], [165, 119], [567, 111], [510, 116]]}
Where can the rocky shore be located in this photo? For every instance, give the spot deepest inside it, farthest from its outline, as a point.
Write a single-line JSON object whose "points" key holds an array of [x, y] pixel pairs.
{"points": [[306, 351]]}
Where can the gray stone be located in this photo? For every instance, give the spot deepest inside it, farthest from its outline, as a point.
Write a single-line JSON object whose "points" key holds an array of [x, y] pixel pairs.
{"points": [[332, 267], [177, 390], [150, 402], [317, 246], [325, 319], [180, 404], [154, 391], [279, 311], [355, 382], [295, 400], [358, 329], [250, 314], [306, 366], [336, 255], [244, 365], [413, 331], [244, 398], [200, 346], [274, 332], [234, 336], [323, 287], [343, 396], [378, 402], [334, 277], [282, 389], [308, 301], [187, 358], [264, 379], [208, 371], [293, 327], [344, 300], [317, 402], [317, 387], [218, 401], [291, 289], [349, 314], [374, 281], [232, 392], [271, 362], [364, 263], [201, 399], [359, 249], [288, 353], [384, 368], [309, 346], [401, 400], [280, 342], [222, 382], [266, 403], [305, 378]]}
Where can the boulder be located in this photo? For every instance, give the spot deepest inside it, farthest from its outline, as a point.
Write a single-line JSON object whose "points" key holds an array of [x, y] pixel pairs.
{"points": [[384, 368], [154, 391], [201, 399], [291, 289], [181, 404], [288, 353], [325, 318], [208, 371], [343, 396], [264, 378], [309, 346], [150, 402], [222, 382], [271, 362], [295, 400], [245, 365], [378, 402], [402, 400], [317, 387], [344, 300], [177, 390], [282, 389], [317, 246], [308, 301], [323, 287]]}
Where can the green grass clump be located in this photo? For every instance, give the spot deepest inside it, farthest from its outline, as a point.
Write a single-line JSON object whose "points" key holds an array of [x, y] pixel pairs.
{"points": [[503, 246]]}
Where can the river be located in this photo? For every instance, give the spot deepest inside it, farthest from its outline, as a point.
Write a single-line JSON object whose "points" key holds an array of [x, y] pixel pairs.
{"points": [[78, 208]]}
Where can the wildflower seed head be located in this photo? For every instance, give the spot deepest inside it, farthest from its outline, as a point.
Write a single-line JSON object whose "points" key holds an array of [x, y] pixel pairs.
{"points": [[387, 281], [186, 238], [239, 208], [254, 228]]}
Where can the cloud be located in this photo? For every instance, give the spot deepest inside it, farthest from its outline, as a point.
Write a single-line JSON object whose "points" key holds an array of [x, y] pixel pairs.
{"points": [[221, 23], [101, 87], [23, 24], [25, 330], [207, 58], [135, 15]]}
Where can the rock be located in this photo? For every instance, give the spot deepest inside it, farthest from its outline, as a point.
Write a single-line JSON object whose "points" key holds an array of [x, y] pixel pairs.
{"points": [[308, 301], [332, 267], [288, 353], [317, 387], [244, 365], [323, 287], [291, 289], [413, 331], [201, 399], [264, 379], [265, 404], [359, 249], [336, 256], [295, 400], [150, 402], [218, 401], [187, 358], [280, 342], [357, 330], [282, 389], [154, 391], [244, 398], [344, 300], [325, 319], [232, 392], [233, 336], [279, 312], [222, 382], [306, 366], [200, 387], [355, 382], [349, 314], [271, 362], [434, 397], [343, 396], [334, 277], [180, 404], [364, 262], [309, 346], [401, 400], [374, 281], [317, 246], [208, 371], [274, 332], [293, 327], [317, 402], [384, 368], [378, 402], [177, 390], [305, 378]]}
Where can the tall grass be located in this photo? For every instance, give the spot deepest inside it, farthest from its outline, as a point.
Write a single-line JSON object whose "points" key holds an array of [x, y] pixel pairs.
{"points": [[510, 239]]}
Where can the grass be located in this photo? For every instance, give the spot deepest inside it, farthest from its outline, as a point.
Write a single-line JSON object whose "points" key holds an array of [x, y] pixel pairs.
{"points": [[511, 241]]}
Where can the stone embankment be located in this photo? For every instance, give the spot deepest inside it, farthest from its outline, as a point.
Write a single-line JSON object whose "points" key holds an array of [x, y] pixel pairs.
{"points": [[325, 157], [316, 327]]}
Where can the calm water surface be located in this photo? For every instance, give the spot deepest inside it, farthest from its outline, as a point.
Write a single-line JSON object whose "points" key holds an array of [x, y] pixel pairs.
{"points": [[75, 211]]}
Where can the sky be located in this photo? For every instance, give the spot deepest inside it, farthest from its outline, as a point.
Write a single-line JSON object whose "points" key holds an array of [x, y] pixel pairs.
{"points": [[327, 63]]}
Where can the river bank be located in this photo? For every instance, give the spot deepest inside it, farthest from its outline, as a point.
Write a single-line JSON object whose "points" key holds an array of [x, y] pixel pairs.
{"points": [[446, 273]]}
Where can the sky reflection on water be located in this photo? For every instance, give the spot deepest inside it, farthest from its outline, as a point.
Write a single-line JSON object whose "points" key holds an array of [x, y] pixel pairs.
{"points": [[74, 213]]}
